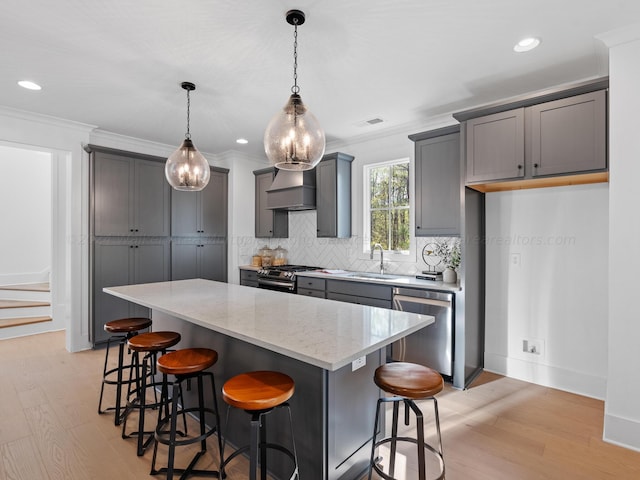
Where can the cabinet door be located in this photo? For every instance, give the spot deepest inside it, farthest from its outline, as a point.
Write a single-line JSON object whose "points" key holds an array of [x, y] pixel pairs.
{"points": [[111, 268], [268, 223], [151, 199], [185, 213], [326, 199], [495, 146], [150, 264], [184, 261], [213, 206], [113, 202], [438, 186], [568, 135], [213, 261]]}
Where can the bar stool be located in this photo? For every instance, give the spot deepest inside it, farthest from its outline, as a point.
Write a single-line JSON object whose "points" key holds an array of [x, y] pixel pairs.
{"points": [[123, 329], [149, 344], [407, 382], [186, 364], [259, 393]]}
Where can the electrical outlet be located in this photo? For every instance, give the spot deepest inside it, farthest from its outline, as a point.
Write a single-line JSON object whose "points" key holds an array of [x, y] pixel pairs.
{"points": [[358, 363], [533, 346], [515, 259]]}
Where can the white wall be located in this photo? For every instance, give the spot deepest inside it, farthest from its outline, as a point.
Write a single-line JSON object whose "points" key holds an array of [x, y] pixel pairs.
{"points": [[69, 279], [556, 293], [622, 406], [25, 209]]}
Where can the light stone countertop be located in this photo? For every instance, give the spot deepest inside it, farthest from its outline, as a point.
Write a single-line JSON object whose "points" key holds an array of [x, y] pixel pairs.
{"points": [[393, 280], [324, 333]]}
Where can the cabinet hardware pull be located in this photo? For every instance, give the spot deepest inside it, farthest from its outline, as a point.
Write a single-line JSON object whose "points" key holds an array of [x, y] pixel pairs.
{"points": [[535, 165], [519, 167]]}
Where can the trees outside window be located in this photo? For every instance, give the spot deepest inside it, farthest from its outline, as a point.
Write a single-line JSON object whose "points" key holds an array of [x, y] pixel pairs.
{"points": [[388, 205]]}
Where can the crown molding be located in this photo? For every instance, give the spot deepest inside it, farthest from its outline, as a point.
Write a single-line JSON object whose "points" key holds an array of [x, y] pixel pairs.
{"points": [[45, 119], [621, 35]]}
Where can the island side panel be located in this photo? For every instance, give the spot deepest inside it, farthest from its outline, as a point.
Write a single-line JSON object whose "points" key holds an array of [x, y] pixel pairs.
{"points": [[333, 412]]}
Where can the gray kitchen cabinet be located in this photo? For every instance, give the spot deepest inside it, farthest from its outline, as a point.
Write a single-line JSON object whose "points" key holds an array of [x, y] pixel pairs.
{"points": [[359, 292], [202, 213], [199, 260], [437, 182], [495, 146], [333, 195], [131, 196], [121, 262], [568, 135], [311, 287], [268, 223], [248, 278]]}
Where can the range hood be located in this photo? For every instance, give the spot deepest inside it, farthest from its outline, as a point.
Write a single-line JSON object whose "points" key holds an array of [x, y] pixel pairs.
{"points": [[292, 190]]}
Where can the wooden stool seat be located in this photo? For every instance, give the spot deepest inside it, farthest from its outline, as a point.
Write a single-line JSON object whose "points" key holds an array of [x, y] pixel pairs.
{"points": [[127, 325], [187, 361], [153, 341], [260, 390], [408, 380]]}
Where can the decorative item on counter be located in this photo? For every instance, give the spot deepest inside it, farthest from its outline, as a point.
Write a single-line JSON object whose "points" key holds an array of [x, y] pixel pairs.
{"points": [[256, 261], [279, 256], [266, 254], [451, 257], [431, 258]]}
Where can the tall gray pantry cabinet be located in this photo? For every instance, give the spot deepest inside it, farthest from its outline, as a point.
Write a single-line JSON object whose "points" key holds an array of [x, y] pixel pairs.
{"points": [[142, 232]]}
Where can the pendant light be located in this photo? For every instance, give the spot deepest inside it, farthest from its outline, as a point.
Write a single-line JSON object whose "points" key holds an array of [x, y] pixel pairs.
{"points": [[293, 139], [186, 169]]}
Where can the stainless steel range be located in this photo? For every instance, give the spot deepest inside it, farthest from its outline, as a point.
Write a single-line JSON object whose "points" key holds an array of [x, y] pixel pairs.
{"points": [[281, 278]]}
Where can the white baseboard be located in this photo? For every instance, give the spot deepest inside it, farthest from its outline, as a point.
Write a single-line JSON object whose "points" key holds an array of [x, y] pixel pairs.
{"points": [[546, 375], [622, 432]]}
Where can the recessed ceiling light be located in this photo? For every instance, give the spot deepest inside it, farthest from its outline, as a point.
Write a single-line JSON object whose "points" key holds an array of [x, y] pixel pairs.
{"points": [[242, 141], [29, 85], [527, 44]]}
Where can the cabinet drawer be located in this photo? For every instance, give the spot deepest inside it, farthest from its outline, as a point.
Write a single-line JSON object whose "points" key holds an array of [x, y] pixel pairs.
{"points": [[309, 292], [313, 283], [359, 289], [371, 302], [248, 276]]}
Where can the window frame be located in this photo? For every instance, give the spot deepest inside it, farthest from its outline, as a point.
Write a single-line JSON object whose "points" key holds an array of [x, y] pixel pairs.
{"points": [[408, 255]]}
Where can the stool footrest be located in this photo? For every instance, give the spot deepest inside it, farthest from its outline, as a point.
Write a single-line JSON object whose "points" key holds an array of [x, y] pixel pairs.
{"points": [[415, 442], [161, 435], [190, 470]]}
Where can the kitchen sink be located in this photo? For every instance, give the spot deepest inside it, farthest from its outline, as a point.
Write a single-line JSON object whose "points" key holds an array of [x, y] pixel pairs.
{"points": [[373, 276]]}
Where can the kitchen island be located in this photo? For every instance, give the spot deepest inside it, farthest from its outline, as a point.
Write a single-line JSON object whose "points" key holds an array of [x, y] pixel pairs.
{"points": [[330, 349]]}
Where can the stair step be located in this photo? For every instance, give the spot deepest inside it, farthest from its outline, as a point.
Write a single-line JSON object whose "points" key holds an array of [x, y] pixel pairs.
{"points": [[16, 321], [28, 287], [22, 304]]}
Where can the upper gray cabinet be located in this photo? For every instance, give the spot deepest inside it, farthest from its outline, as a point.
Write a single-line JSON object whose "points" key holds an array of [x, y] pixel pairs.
{"points": [[202, 213], [565, 135], [495, 146], [437, 182], [131, 196], [333, 195], [568, 135], [268, 223]]}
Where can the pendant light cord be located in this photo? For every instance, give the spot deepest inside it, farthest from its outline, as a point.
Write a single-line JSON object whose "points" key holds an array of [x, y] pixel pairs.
{"points": [[188, 134], [295, 89]]}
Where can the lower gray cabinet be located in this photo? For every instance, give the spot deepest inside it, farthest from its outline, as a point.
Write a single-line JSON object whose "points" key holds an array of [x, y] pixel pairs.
{"points": [[360, 293], [199, 260], [248, 278], [121, 262], [311, 287]]}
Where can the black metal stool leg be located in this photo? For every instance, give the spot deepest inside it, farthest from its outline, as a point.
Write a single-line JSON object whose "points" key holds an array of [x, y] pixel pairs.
{"points": [[254, 443], [394, 436], [422, 468]]}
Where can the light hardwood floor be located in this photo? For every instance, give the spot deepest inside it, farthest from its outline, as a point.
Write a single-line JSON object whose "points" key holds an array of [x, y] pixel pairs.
{"points": [[499, 429]]}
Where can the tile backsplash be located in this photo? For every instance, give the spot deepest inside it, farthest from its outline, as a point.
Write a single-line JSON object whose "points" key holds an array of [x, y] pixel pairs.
{"points": [[304, 248]]}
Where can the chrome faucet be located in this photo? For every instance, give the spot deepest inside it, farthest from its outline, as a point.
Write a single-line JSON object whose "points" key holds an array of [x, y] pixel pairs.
{"points": [[377, 245]]}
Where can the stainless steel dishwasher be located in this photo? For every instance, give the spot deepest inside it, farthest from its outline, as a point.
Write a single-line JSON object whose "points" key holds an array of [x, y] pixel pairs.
{"points": [[431, 346]]}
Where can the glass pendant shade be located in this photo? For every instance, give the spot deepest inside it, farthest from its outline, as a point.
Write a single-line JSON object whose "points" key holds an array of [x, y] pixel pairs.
{"points": [[187, 169], [293, 139]]}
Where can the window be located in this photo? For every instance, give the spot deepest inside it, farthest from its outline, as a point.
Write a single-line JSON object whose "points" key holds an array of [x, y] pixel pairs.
{"points": [[387, 205]]}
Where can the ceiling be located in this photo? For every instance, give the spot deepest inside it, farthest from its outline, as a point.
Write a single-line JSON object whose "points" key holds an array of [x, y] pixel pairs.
{"points": [[118, 64]]}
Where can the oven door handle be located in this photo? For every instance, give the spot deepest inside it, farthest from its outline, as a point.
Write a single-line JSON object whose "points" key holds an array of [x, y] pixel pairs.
{"points": [[275, 283]]}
